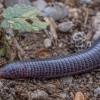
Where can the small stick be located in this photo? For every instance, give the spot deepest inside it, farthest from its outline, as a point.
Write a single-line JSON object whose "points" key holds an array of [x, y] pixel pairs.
{"points": [[86, 17], [11, 32], [53, 28], [49, 35]]}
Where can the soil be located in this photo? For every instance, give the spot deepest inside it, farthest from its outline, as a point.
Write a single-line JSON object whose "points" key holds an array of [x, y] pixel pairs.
{"points": [[60, 88]]}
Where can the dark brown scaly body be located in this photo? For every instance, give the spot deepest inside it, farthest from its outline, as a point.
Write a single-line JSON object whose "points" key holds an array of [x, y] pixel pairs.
{"points": [[54, 67]]}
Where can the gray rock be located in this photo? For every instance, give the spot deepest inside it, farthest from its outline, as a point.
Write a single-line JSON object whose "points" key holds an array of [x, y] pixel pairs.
{"points": [[1, 6], [13, 2], [90, 80], [98, 75], [66, 26], [38, 95], [63, 96], [96, 36], [39, 4], [57, 12], [1, 84], [12, 98], [85, 1], [51, 86], [88, 75], [71, 95], [1, 1], [97, 91], [60, 45], [66, 79], [47, 43]]}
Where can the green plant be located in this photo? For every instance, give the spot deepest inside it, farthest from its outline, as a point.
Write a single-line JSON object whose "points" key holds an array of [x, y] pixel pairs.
{"points": [[23, 18], [16, 18]]}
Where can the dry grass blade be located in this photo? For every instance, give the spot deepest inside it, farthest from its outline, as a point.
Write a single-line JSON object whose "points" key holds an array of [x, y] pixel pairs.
{"points": [[10, 31], [53, 28], [86, 17], [2, 61], [89, 35], [49, 35], [10, 52]]}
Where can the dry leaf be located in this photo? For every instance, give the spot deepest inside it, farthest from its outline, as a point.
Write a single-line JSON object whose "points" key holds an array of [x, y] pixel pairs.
{"points": [[43, 53]]}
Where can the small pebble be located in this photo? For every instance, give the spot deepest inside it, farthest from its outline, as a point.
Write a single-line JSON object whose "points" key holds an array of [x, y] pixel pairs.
{"points": [[38, 95], [10, 3], [1, 85], [88, 75], [1, 1], [39, 4], [85, 1], [47, 43], [97, 91], [1, 6], [98, 75], [66, 79], [71, 94], [12, 98], [60, 45], [96, 36], [65, 27], [57, 12], [63, 96], [98, 14], [74, 13], [51, 86]]}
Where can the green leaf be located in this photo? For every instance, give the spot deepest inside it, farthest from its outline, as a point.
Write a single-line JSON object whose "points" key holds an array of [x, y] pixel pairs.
{"points": [[39, 25], [16, 17], [5, 24], [20, 11], [3, 52]]}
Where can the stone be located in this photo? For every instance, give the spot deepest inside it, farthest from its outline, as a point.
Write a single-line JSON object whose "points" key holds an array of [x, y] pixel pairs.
{"points": [[56, 12], [66, 79], [1, 6], [51, 86], [71, 94], [97, 91], [47, 43], [12, 98], [63, 96], [13, 2], [85, 1], [38, 95], [88, 75], [96, 36], [39, 4], [1, 85], [1, 1], [60, 45], [66, 26]]}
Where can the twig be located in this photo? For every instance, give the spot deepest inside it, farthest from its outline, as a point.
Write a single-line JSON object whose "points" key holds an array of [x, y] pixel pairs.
{"points": [[86, 17], [53, 28], [49, 35], [11, 32]]}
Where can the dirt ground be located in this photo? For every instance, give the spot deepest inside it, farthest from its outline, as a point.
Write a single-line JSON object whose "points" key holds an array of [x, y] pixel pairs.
{"points": [[63, 88]]}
